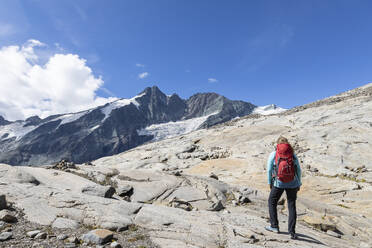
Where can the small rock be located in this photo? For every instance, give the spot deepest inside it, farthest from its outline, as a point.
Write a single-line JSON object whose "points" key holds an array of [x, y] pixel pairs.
{"points": [[2, 223], [217, 206], [41, 235], [177, 173], [212, 175], [243, 199], [2, 202], [70, 245], [281, 201], [5, 236], [32, 234], [126, 190], [7, 216], [115, 245], [98, 236], [313, 169], [334, 234], [62, 237], [73, 240]]}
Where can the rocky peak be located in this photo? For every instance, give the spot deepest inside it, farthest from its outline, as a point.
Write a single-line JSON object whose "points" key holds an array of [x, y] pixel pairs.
{"points": [[33, 120], [3, 121], [202, 104]]}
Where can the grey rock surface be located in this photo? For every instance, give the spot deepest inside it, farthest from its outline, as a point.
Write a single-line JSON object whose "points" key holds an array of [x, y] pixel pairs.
{"points": [[65, 223], [98, 190], [32, 234], [7, 216], [5, 236], [98, 236]]}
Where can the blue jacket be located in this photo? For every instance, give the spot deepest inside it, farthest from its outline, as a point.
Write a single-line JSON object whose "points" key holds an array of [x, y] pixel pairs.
{"points": [[295, 183]]}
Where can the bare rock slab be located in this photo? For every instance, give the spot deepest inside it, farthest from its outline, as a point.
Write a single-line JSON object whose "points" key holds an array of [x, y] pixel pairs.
{"points": [[98, 236], [65, 223]]}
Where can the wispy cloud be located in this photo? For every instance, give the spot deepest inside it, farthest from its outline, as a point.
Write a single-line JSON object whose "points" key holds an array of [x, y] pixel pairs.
{"points": [[143, 75], [140, 65], [212, 80]]}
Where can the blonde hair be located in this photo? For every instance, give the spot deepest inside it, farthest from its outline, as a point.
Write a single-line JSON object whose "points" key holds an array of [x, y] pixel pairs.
{"points": [[282, 140]]}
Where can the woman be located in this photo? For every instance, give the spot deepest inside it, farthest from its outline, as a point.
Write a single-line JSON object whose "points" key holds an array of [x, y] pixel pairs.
{"points": [[284, 174]]}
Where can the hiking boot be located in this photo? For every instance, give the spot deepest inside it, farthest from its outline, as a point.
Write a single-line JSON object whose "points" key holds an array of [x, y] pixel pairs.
{"points": [[272, 229], [294, 236]]}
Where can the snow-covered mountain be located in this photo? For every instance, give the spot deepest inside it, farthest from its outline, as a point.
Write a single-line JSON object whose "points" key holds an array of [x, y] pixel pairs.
{"points": [[268, 110], [114, 127]]}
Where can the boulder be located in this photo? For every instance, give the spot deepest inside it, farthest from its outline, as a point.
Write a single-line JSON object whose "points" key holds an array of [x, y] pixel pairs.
{"points": [[41, 235], [115, 223], [98, 190], [124, 190], [7, 216], [5, 236], [98, 236], [32, 234], [217, 206]]}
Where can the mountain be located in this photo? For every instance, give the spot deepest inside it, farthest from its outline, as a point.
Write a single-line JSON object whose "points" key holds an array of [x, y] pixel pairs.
{"points": [[113, 128]]}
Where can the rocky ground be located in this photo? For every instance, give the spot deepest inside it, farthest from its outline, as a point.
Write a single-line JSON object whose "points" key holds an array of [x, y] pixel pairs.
{"points": [[209, 189]]}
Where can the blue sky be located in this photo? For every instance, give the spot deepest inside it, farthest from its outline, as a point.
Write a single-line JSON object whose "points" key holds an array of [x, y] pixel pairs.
{"points": [[283, 52]]}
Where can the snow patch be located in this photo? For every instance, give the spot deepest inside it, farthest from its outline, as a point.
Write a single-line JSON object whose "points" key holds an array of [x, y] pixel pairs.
{"points": [[70, 117], [268, 110], [94, 128], [118, 104], [173, 129], [15, 129]]}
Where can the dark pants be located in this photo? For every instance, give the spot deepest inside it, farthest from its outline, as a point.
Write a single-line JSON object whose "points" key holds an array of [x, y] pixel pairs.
{"points": [[273, 202]]}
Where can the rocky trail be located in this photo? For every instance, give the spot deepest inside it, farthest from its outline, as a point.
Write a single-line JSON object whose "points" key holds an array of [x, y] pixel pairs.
{"points": [[207, 188]]}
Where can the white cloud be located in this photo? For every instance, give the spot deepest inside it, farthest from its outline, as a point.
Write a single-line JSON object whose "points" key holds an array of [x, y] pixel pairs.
{"points": [[212, 80], [63, 84], [143, 75], [140, 65]]}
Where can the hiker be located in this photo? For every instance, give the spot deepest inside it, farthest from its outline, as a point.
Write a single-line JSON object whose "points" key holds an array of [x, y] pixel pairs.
{"points": [[284, 173]]}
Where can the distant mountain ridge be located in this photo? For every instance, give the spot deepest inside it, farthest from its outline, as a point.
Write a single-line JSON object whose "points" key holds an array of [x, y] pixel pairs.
{"points": [[112, 128]]}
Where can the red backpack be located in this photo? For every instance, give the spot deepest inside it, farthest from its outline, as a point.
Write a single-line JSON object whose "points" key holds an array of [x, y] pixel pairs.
{"points": [[284, 166]]}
